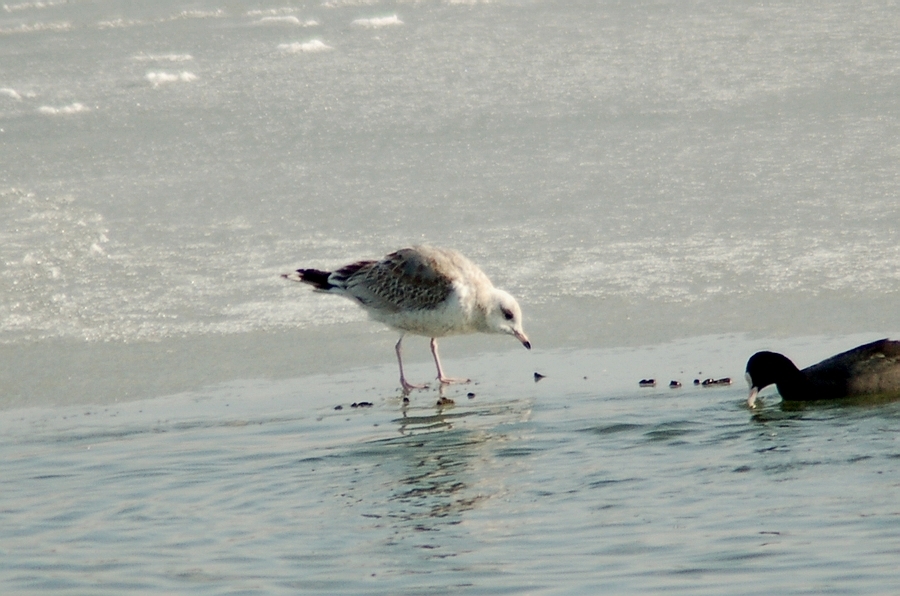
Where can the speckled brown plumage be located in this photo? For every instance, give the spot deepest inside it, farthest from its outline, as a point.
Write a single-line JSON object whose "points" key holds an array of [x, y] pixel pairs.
{"points": [[423, 290]]}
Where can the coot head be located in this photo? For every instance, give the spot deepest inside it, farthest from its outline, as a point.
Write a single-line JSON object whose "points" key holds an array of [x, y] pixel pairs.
{"points": [[764, 369]]}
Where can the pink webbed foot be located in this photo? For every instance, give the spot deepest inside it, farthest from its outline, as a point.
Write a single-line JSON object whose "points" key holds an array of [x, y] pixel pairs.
{"points": [[407, 386], [452, 381], [443, 379]]}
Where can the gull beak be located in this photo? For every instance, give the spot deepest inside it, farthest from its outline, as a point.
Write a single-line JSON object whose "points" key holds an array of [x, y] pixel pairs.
{"points": [[751, 400], [522, 338]]}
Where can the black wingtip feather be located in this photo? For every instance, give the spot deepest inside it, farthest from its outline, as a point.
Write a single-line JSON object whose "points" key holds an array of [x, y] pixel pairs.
{"points": [[314, 277]]}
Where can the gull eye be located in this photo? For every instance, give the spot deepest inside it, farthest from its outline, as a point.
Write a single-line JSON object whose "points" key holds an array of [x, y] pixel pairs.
{"points": [[507, 314]]}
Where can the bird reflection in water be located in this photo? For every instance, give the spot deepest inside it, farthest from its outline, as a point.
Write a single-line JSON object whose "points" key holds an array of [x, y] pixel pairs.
{"points": [[441, 463]]}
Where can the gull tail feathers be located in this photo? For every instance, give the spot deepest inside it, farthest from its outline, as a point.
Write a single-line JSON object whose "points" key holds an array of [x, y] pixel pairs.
{"points": [[314, 277]]}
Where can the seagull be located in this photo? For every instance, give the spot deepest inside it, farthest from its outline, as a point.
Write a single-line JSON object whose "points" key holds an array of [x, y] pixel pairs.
{"points": [[423, 290], [870, 369]]}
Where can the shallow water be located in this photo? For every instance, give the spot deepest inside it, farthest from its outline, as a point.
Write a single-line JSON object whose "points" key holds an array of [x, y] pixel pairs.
{"points": [[579, 482], [666, 188]]}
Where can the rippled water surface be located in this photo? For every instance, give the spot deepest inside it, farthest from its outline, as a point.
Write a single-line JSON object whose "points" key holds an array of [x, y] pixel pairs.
{"points": [[666, 188], [580, 482]]}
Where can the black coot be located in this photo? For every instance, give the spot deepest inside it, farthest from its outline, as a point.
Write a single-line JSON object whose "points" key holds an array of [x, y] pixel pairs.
{"points": [[872, 369]]}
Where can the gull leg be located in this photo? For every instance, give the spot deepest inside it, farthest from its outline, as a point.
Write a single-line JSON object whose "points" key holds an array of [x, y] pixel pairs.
{"points": [[437, 361], [407, 386]]}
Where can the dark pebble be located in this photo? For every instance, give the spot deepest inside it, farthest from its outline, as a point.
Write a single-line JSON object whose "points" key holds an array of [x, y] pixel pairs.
{"points": [[445, 401], [338, 407], [647, 382], [674, 384], [538, 376], [470, 395]]}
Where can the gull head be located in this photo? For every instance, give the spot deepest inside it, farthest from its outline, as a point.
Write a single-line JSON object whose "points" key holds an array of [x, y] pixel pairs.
{"points": [[505, 316]]}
